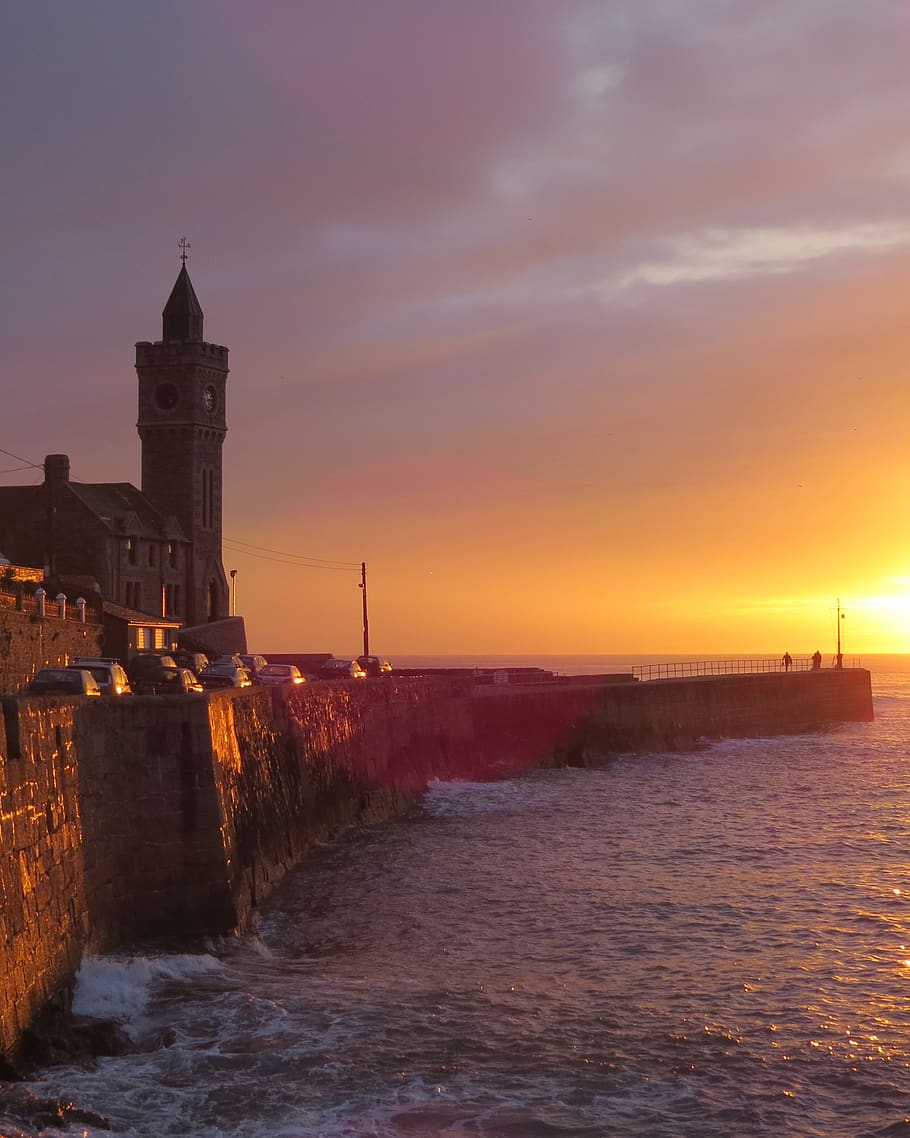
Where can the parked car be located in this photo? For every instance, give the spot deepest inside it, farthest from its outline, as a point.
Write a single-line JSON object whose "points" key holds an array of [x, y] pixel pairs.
{"points": [[254, 663], [168, 681], [109, 675], [280, 674], [334, 669], [147, 661], [64, 681], [228, 675], [195, 661], [375, 665]]}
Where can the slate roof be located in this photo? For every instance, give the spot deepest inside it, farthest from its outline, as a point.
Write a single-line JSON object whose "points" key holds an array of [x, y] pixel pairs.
{"points": [[20, 497], [123, 508], [134, 616]]}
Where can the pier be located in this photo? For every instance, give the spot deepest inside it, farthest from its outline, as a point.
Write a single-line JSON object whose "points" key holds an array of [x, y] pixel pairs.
{"points": [[168, 818]]}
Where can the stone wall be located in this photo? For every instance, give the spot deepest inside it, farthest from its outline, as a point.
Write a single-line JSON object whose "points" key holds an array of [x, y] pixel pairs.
{"points": [[44, 925], [170, 817], [29, 642], [527, 725], [292, 768]]}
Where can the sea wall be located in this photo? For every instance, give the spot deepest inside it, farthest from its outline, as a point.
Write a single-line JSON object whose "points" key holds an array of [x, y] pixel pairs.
{"points": [[292, 768], [29, 642], [170, 818], [577, 723]]}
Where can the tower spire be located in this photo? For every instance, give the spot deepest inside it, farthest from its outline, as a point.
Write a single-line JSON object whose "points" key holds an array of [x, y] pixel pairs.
{"points": [[182, 316]]}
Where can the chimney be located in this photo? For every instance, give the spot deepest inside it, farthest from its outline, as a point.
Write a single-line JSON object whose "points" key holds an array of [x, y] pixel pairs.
{"points": [[57, 468]]}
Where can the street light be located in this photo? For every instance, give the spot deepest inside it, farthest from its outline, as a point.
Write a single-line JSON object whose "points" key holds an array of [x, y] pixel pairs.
{"points": [[233, 592], [839, 663]]}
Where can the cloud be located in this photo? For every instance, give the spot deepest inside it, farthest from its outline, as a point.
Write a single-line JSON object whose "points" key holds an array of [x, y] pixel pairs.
{"points": [[718, 255], [582, 263]]}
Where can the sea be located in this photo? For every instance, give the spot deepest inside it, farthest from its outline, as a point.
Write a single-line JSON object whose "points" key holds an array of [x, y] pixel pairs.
{"points": [[712, 944]]}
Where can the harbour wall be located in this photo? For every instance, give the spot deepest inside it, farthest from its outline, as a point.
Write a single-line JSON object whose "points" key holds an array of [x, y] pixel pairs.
{"points": [[29, 642], [169, 818]]}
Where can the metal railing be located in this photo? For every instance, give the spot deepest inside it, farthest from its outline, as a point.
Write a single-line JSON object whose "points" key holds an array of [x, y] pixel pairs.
{"points": [[685, 669]]}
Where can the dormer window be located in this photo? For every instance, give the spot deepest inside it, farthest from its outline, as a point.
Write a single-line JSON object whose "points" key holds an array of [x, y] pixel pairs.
{"points": [[131, 550]]}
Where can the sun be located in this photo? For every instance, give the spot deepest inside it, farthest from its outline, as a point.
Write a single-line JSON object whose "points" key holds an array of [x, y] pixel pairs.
{"points": [[879, 623]]}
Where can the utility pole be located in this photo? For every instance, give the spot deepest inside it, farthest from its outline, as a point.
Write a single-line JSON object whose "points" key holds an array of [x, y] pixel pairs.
{"points": [[366, 620]]}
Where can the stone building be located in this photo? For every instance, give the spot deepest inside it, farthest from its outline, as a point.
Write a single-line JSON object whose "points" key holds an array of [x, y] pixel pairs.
{"points": [[182, 381], [156, 550]]}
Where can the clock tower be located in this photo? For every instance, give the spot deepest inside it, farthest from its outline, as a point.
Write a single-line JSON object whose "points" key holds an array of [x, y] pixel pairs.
{"points": [[182, 424]]}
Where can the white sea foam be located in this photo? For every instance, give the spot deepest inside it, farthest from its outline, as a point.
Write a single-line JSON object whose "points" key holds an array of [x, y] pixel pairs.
{"points": [[118, 988]]}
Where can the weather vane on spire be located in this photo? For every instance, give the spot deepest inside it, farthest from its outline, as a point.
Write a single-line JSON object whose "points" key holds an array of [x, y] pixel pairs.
{"points": [[184, 246]]}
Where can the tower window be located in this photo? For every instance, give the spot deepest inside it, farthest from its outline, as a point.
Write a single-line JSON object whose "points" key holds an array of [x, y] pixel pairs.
{"points": [[208, 498]]}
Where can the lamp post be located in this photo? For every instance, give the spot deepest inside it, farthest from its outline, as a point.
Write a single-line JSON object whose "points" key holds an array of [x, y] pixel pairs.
{"points": [[839, 662], [233, 592]]}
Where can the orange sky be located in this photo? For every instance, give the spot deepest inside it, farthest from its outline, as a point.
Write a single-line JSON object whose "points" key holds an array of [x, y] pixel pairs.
{"points": [[584, 324]]}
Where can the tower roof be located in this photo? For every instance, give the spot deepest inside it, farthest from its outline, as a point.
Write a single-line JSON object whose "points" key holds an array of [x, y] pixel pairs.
{"points": [[182, 315]]}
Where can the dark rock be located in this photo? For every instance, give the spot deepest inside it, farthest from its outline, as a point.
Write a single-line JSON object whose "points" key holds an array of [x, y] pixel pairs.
{"points": [[21, 1107], [8, 1073], [56, 1036]]}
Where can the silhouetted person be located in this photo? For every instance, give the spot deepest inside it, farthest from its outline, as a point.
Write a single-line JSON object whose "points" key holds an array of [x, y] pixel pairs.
{"points": [[817, 660], [787, 661]]}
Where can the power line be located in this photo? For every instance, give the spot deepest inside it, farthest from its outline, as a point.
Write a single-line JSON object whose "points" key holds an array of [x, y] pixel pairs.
{"points": [[19, 458], [300, 557], [290, 559], [296, 564]]}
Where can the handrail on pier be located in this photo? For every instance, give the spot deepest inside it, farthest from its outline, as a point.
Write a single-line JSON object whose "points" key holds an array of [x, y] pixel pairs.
{"points": [[684, 669]]}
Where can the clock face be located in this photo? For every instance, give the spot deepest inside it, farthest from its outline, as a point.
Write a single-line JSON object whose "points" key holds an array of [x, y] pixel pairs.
{"points": [[166, 396], [209, 399]]}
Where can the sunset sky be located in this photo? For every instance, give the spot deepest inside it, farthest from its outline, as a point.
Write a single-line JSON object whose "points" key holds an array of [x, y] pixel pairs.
{"points": [[585, 324]]}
